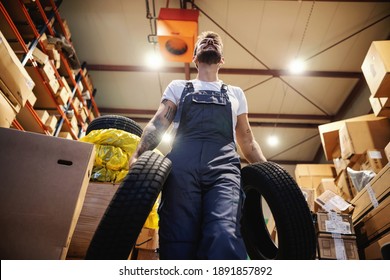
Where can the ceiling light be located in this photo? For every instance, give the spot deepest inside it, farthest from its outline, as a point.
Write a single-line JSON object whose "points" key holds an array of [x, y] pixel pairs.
{"points": [[297, 66], [154, 60], [273, 141]]}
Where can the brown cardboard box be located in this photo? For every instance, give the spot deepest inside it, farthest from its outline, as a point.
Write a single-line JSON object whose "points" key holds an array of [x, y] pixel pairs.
{"points": [[147, 239], [40, 56], [310, 175], [373, 251], [309, 195], [7, 111], [357, 137], [43, 92], [330, 248], [329, 134], [43, 115], [332, 201], [374, 223], [62, 96], [333, 222], [66, 135], [97, 198], [372, 193], [29, 120], [13, 74], [326, 184], [374, 160], [380, 106], [43, 185], [51, 123], [344, 188], [144, 254], [376, 68], [387, 152]]}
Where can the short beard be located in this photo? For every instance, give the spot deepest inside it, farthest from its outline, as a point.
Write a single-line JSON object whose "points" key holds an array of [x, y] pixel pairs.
{"points": [[209, 57]]}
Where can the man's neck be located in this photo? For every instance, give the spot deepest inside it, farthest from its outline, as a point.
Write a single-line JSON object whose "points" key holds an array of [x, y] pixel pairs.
{"points": [[207, 73]]}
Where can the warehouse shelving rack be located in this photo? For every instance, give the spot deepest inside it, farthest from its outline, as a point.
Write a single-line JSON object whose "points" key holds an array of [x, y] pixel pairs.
{"points": [[25, 22]]}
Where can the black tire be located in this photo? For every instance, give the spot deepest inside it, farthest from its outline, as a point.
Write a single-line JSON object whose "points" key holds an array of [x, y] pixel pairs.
{"points": [[293, 219], [126, 214], [117, 122]]}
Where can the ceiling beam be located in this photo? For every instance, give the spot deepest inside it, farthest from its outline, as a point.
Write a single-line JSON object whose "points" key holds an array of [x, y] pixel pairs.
{"points": [[275, 120], [228, 71]]}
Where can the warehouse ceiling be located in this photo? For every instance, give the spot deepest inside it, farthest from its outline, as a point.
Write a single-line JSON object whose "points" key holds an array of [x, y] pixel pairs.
{"points": [[261, 38]]}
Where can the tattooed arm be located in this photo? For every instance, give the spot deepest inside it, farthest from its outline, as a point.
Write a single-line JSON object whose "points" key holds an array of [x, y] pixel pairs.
{"points": [[247, 142], [155, 129]]}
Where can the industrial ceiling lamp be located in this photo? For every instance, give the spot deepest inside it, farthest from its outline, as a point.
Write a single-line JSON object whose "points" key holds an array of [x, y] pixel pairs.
{"points": [[177, 31]]}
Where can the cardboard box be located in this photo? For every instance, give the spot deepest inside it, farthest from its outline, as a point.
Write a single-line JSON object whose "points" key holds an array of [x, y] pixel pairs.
{"points": [[147, 239], [373, 193], [375, 222], [310, 175], [13, 74], [43, 92], [144, 254], [330, 248], [380, 106], [344, 188], [7, 111], [66, 135], [326, 184], [309, 195], [40, 56], [62, 96], [43, 115], [373, 251], [373, 160], [30, 121], [387, 152], [333, 222], [330, 201], [329, 134], [97, 199], [357, 137], [51, 123], [376, 68], [43, 184]]}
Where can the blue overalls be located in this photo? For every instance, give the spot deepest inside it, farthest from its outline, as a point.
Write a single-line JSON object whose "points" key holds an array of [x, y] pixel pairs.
{"points": [[201, 201]]}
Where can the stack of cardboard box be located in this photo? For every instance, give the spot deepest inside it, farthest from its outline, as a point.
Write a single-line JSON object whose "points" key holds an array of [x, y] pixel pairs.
{"points": [[336, 236], [16, 85], [358, 148]]}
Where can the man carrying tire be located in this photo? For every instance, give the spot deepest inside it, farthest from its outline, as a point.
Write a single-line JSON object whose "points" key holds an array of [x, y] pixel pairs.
{"points": [[201, 201]]}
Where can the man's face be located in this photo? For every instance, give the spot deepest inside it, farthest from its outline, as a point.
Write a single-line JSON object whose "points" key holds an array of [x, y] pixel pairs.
{"points": [[208, 50]]}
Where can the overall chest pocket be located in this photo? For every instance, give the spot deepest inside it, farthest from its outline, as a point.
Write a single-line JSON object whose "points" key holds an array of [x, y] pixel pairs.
{"points": [[217, 99]]}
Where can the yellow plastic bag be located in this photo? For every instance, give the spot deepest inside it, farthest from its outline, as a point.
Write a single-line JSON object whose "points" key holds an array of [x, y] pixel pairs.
{"points": [[114, 149]]}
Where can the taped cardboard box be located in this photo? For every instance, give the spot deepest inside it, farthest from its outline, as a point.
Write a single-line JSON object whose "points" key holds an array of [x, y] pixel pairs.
{"points": [[43, 184], [332, 222], [330, 248], [376, 68], [13, 74]]}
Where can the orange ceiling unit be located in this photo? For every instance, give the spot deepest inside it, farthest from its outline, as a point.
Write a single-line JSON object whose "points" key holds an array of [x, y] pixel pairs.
{"points": [[177, 32]]}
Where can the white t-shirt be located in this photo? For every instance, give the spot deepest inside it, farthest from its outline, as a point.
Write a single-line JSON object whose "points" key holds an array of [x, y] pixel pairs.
{"points": [[236, 95]]}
